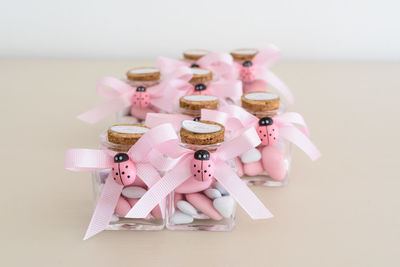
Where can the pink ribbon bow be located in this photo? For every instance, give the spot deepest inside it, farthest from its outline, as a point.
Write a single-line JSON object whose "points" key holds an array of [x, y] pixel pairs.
{"points": [[237, 119], [259, 70], [122, 95], [223, 174], [94, 159], [220, 64]]}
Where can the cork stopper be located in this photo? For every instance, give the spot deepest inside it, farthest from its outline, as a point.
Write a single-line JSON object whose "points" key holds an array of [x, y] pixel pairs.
{"points": [[126, 134], [143, 74], [198, 102], [260, 101], [202, 132], [244, 54], [200, 76], [195, 54]]}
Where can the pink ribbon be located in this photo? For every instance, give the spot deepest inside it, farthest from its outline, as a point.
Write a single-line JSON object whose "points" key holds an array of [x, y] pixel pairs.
{"points": [[220, 64], [120, 95], [93, 159], [291, 126], [265, 59], [223, 174]]}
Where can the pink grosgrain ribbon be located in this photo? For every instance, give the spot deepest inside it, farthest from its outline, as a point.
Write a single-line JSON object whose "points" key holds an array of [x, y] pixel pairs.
{"points": [[220, 64], [224, 174], [265, 59], [120, 94], [237, 119], [93, 159]]}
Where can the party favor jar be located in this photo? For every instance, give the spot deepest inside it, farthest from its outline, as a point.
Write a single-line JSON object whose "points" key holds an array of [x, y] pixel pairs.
{"points": [[273, 154], [201, 203], [118, 141], [122, 174], [143, 80], [252, 67]]}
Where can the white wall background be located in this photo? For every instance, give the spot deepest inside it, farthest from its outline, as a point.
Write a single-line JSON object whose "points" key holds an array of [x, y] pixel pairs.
{"points": [[303, 29]]}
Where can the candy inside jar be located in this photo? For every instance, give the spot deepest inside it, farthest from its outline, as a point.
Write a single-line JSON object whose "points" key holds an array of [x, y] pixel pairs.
{"points": [[118, 140], [201, 202], [143, 80], [269, 163]]}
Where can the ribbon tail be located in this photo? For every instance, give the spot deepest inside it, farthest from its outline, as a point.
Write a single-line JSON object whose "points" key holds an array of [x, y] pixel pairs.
{"points": [[158, 192], [296, 118], [113, 106], [279, 85], [298, 138], [241, 193], [104, 209]]}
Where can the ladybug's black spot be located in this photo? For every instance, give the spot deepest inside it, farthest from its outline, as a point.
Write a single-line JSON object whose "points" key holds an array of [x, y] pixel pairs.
{"points": [[141, 89], [123, 173], [265, 135], [116, 173], [129, 176], [121, 157], [194, 165], [194, 65], [194, 174], [114, 178], [198, 171], [209, 175], [202, 155], [209, 166], [247, 64], [126, 166], [265, 121], [200, 87], [205, 171], [112, 168]]}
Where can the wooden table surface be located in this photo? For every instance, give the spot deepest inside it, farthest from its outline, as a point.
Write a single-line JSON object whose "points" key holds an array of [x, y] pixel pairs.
{"points": [[342, 210]]}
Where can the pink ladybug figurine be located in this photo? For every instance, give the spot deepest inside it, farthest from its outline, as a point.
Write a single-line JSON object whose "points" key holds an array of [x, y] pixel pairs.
{"points": [[202, 166], [123, 170], [141, 99], [267, 131], [247, 72]]}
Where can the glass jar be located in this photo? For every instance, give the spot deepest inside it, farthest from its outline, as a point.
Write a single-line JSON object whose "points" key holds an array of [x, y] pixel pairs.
{"points": [[192, 55], [117, 140], [143, 79], [246, 73], [201, 203], [269, 163]]}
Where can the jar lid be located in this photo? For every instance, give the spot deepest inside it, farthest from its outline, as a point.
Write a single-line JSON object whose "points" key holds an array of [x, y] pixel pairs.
{"points": [[198, 102], [126, 134], [260, 101], [202, 132], [143, 74], [244, 53], [201, 75], [195, 54]]}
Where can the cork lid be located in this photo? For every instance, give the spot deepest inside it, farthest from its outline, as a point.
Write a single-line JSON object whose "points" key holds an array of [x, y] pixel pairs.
{"points": [[126, 134], [244, 53], [260, 101], [200, 76], [143, 74], [195, 54], [198, 102], [202, 132]]}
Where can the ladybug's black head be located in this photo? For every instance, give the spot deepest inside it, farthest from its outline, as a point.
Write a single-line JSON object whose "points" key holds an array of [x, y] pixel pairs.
{"points": [[194, 65], [140, 89], [247, 64], [197, 119], [265, 121], [202, 155], [200, 87], [121, 157]]}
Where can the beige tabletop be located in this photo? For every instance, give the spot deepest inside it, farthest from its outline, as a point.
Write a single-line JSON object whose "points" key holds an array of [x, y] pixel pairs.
{"points": [[342, 210]]}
